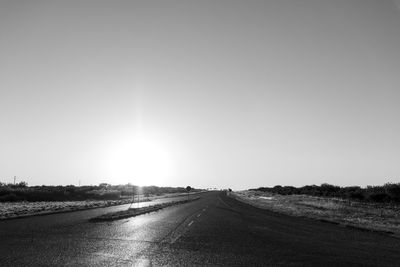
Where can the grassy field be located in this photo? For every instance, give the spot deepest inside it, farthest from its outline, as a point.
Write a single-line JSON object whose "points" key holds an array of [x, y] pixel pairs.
{"points": [[18, 209], [9, 210], [376, 217]]}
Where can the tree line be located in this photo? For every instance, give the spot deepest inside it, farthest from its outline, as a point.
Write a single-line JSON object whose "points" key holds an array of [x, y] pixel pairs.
{"points": [[22, 192], [387, 193]]}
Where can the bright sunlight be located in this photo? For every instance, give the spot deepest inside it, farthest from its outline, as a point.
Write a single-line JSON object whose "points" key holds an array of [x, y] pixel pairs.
{"points": [[141, 161]]}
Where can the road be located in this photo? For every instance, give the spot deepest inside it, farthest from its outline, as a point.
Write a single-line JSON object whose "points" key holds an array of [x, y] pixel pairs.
{"points": [[212, 231]]}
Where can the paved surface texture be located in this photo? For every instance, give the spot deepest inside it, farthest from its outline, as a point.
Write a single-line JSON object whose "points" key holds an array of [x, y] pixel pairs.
{"points": [[213, 231]]}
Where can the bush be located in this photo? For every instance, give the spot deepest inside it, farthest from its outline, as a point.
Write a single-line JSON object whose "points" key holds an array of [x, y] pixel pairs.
{"points": [[380, 194], [393, 191], [10, 198], [379, 197]]}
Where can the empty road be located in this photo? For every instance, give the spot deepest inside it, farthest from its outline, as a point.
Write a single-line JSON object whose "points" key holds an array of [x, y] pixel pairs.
{"points": [[212, 231]]}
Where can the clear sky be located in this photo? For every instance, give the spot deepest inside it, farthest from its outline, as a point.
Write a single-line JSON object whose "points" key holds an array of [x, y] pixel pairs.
{"points": [[220, 93]]}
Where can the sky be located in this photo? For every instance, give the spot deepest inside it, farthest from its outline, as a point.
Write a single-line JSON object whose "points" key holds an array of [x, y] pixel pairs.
{"points": [[225, 93]]}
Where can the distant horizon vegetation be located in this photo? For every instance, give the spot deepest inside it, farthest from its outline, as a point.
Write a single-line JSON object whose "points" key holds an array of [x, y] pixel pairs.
{"points": [[21, 191], [387, 193]]}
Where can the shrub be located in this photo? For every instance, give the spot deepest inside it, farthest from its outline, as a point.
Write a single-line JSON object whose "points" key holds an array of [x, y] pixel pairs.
{"points": [[393, 191], [11, 197], [380, 194]]}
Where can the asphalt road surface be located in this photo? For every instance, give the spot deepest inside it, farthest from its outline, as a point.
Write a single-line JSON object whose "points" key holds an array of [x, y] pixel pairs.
{"points": [[212, 231]]}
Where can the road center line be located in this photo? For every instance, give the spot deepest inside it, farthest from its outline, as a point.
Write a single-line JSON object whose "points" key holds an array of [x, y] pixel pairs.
{"points": [[190, 223]]}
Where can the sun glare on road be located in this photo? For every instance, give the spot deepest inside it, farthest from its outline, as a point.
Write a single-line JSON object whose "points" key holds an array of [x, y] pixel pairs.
{"points": [[141, 161]]}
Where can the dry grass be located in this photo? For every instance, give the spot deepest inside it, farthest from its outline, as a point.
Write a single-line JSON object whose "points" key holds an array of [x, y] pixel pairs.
{"points": [[10, 210], [19, 209], [376, 217]]}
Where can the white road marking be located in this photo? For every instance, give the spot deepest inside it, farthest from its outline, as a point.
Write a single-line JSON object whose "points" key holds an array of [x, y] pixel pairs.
{"points": [[190, 223], [199, 215]]}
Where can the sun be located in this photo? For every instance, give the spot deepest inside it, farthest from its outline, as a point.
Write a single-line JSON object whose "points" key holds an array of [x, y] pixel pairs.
{"points": [[140, 161]]}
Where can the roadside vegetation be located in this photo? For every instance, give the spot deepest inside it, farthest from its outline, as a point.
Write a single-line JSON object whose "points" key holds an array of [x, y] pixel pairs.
{"points": [[332, 204], [23, 192], [388, 193]]}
